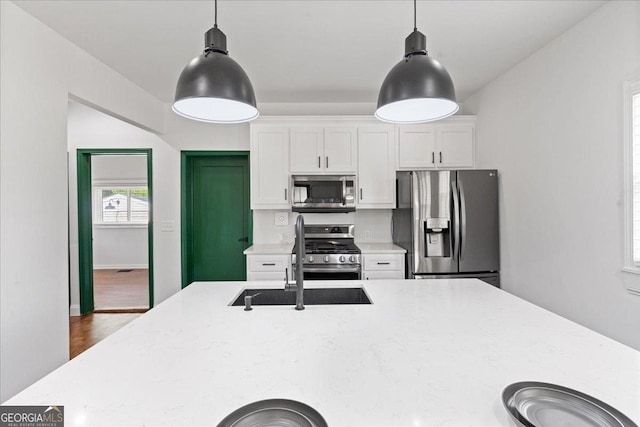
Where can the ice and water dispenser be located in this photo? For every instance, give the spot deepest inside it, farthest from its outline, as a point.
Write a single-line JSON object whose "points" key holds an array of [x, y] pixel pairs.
{"points": [[437, 237]]}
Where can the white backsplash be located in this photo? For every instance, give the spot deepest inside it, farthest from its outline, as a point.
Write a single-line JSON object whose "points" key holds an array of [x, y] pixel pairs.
{"points": [[371, 225]]}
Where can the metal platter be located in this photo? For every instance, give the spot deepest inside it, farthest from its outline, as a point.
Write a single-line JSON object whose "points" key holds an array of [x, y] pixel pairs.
{"points": [[274, 413], [535, 404]]}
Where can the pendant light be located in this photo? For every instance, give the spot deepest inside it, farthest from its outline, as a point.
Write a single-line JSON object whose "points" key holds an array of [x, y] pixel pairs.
{"points": [[213, 87], [418, 89]]}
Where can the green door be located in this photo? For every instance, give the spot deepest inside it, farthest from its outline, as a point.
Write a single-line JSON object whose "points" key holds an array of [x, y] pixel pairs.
{"points": [[218, 231]]}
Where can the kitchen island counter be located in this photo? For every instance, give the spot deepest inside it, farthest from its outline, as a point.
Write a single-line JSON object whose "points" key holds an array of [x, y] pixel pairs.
{"points": [[425, 353]]}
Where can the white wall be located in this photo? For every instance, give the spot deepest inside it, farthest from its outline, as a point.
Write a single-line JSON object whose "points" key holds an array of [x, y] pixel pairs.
{"points": [[89, 128], [553, 126], [111, 167], [39, 70], [185, 134], [118, 246], [371, 225]]}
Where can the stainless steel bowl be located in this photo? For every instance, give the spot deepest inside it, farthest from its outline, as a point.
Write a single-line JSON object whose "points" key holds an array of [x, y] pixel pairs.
{"points": [[274, 413]]}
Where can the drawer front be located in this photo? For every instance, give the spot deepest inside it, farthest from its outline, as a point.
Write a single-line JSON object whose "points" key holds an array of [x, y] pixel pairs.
{"points": [[268, 263], [375, 275], [266, 275], [375, 262]]}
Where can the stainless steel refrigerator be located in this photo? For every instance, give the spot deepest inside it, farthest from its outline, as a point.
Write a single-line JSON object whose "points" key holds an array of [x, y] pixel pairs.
{"points": [[448, 223]]}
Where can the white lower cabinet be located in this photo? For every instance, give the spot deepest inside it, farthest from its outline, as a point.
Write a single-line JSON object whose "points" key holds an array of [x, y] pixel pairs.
{"points": [[268, 267], [383, 266]]}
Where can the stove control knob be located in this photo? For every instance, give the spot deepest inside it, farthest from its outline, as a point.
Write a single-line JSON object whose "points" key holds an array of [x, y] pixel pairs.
{"points": [[326, 258], [352, 258], [311, 258], [341, 258]]}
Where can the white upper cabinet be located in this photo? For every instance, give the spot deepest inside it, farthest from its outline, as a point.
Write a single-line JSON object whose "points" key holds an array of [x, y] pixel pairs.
{"points": [[448, 143], [416, 147], [330, 150], [270, 167], [376, 167], [340, 150], [456, 146]]}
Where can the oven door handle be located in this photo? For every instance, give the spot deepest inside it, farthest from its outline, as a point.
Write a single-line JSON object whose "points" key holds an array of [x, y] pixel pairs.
{"points": [[330, 270]]}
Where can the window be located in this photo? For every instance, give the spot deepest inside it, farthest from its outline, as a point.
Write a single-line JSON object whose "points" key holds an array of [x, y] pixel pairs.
{"points": [[122, 205], [635, 141], [631, 110]]}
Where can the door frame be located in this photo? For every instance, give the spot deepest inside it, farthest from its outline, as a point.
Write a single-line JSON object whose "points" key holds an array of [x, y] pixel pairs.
{"points": [[85, 220], [186, 186]]}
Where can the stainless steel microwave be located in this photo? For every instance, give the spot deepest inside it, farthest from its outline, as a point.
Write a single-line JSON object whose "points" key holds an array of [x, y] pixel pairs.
{"points": [[323, 193]]}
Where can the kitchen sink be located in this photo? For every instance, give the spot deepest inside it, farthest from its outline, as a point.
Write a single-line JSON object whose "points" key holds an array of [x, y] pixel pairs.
{"points": [[312, 296]]}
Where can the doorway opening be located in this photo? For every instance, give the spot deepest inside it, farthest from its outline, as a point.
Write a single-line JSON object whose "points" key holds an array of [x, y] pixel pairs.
{"points": [[115, 230], [216, 215]]}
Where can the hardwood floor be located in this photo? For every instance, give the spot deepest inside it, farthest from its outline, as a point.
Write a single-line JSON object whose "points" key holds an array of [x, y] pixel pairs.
{"points": [[85, 331], [119, 297], [120, 289]]}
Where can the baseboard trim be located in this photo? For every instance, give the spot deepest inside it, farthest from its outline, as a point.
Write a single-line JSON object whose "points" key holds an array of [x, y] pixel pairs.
{"points": [[121, 267], [74, 310]]}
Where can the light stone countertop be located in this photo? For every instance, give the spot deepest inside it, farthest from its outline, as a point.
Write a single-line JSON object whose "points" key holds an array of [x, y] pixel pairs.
{"points": [[380, 248], [425, 353], [269, 249]]}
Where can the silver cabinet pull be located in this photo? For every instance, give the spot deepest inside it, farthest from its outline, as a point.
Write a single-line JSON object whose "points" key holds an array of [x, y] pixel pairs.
{"points": [[285, 194], [361, 193], [268, 263], [433, 157], [441, 157], [384, 263], [319, 162], [327, 162]]}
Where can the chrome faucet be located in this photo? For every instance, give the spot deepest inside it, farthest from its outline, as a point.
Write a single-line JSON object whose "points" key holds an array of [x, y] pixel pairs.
{"points": [[298, 285]]}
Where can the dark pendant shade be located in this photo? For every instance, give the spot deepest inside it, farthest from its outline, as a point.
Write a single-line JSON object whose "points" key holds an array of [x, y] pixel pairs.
{"points": [[418, 89], [213, 87]]}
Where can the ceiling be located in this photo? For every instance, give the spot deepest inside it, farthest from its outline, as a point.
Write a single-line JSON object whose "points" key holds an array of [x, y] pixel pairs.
{"points": [[310, 51]]}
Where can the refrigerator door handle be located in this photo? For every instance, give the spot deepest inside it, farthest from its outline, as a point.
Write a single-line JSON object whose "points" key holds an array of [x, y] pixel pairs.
{"points": [[416, 222], [456, 217], [463, 221]]}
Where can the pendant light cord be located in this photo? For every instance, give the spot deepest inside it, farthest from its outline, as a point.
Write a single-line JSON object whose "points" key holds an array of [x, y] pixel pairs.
{"points": [[215, 14], [415, 26]]}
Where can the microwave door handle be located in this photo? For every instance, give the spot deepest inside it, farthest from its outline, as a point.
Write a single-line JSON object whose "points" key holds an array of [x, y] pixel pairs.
{"points": [[344, 189]]}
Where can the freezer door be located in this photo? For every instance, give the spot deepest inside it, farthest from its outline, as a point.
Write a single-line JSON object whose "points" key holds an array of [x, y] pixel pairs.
{"points": [[479, 248], [402, 223], [433, 222]]}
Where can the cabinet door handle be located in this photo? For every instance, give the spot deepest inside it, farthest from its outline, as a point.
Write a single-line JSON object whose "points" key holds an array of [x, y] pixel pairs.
{"points": [[433, 157], [285, 194], [441, 157], [327, 162], [319, 162], [268, 264], [360, 193], [384, 263]]}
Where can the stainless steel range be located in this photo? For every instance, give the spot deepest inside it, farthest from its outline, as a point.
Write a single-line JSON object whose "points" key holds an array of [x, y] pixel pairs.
{"points": [[330, 252]]}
